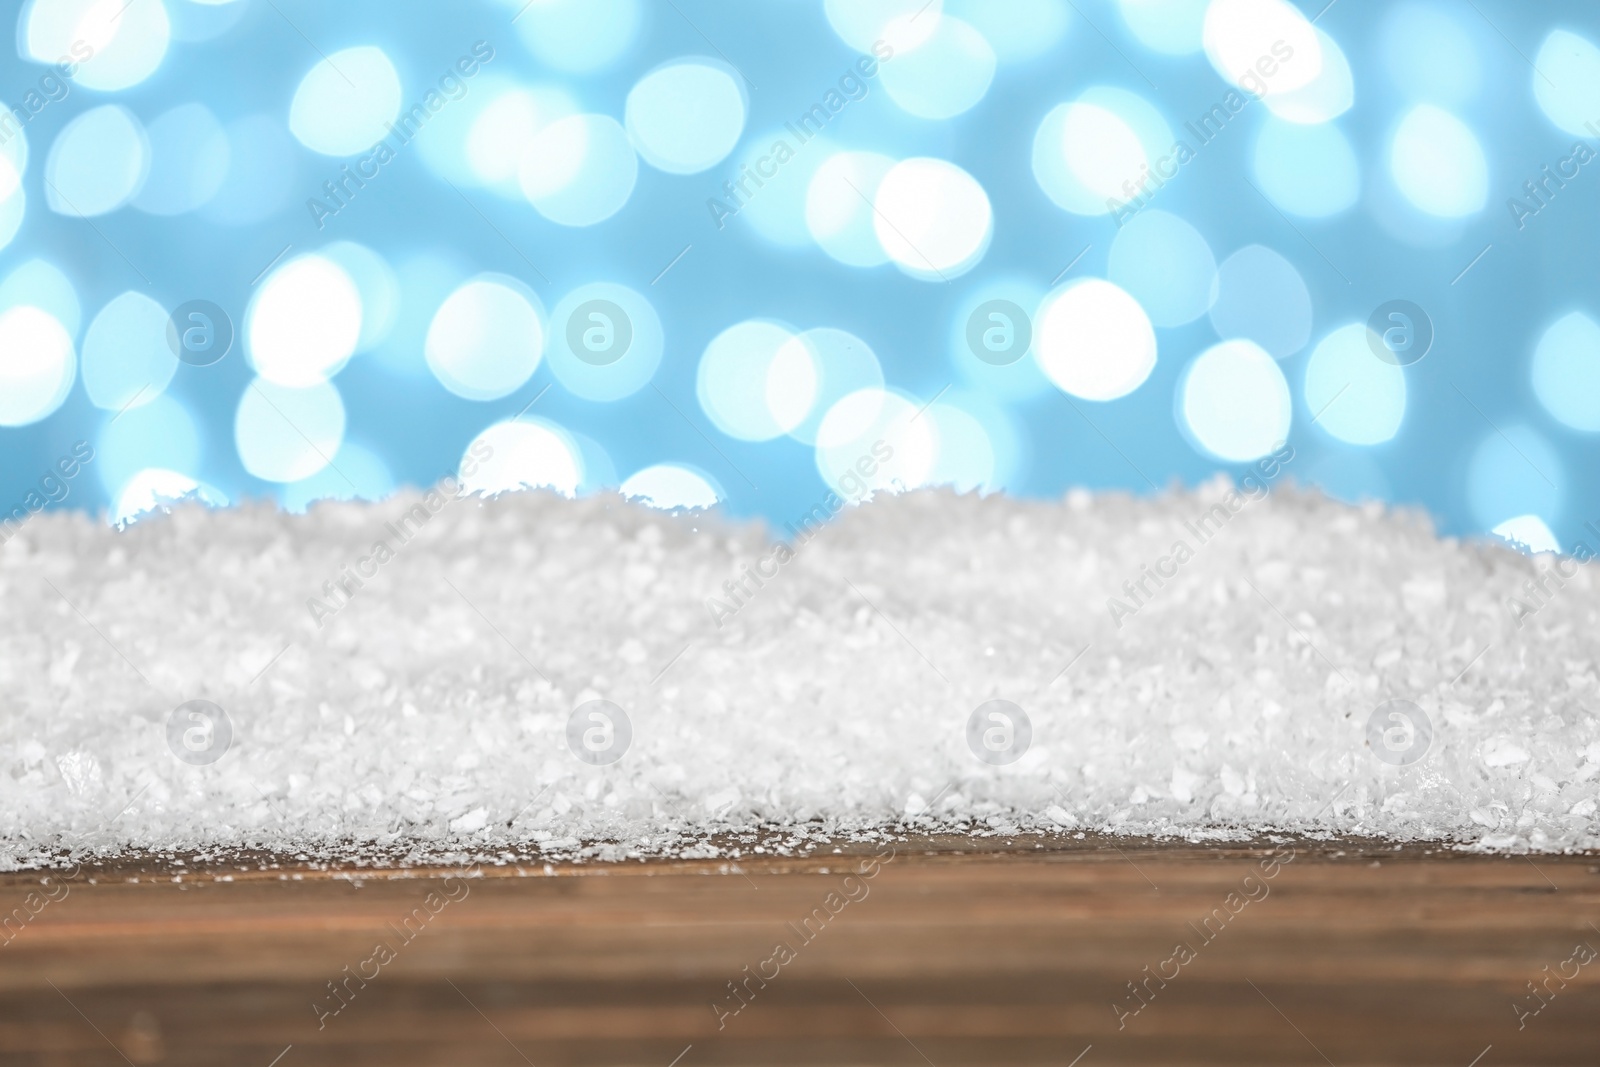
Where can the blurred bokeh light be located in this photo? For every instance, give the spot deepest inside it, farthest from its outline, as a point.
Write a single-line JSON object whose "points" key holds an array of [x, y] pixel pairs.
{"points": [[744, 256]]}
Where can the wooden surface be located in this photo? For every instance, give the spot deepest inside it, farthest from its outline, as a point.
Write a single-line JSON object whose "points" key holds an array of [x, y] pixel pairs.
{"points": [[944, 956]]}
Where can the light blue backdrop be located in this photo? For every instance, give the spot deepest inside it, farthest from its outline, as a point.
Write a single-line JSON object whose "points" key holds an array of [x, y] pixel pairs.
{"points": [[1381, 200]]}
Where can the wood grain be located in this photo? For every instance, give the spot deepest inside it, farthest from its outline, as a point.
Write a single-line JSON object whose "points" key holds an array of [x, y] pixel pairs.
{"points": [[949, 954]]}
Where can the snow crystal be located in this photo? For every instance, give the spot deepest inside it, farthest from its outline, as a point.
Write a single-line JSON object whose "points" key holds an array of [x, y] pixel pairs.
{"points": [[531, 676]]}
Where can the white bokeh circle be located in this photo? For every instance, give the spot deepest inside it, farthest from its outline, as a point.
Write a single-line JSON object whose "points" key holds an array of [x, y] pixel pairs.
{"points": [[945, 75], [932, 218], [579, 170], [111, 45], [97, 163], [1438, 163], [284, 434], [487, 338], [1093, 340], [756, 380], [37, 365], [1565, 371], [872, 440], [524, 453], [686, 116], [1234, 402], [126, 357], [347, 102], [1352, 395], [670, 486], [838, 209], [304, 322]]}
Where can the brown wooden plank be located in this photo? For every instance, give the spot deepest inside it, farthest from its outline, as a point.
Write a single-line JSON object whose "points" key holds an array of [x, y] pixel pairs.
{"points": [[954, 953]]}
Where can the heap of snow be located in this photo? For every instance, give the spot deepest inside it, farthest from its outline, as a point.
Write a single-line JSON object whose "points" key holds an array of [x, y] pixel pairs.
{"points": [[795, 690]]}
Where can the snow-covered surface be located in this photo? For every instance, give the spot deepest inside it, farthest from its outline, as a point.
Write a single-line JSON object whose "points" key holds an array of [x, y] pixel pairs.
{"points": [[428, 716]]}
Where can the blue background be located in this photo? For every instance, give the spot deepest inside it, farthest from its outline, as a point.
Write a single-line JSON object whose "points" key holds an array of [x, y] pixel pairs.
{"points": [[1487, 323]]}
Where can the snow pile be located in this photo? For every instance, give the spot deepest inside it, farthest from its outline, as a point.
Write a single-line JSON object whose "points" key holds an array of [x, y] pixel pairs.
{"points": [[836, 683]]}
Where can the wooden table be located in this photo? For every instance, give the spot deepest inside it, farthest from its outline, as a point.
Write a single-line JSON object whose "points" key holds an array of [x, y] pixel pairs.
{"points": [[945, 952]]}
